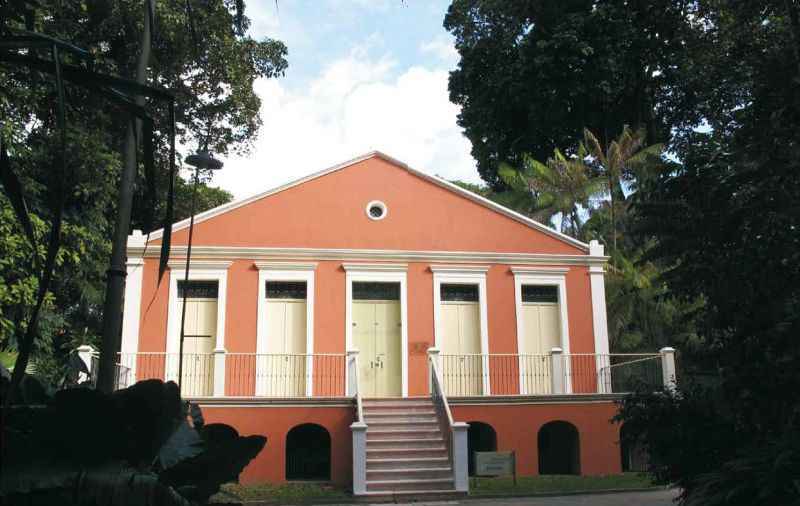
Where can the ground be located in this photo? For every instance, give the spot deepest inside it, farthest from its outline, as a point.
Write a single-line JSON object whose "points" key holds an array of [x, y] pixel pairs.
{"points": [[532, 491]]}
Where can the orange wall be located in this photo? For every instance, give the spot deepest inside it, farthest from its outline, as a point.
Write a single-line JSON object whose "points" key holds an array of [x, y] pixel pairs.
{"points": [[329, 325], [329, 212], [517, 428], [275, 423]]}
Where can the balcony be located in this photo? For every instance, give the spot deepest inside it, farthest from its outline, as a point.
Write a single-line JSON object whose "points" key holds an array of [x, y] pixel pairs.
{"points": [[324, 375]]}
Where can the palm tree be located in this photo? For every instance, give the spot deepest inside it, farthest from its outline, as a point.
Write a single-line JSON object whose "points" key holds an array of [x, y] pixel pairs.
{"points": [[542, 190], [624, 159]]}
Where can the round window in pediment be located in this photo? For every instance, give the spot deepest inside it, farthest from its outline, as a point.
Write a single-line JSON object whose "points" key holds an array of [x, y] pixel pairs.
{"points": [[376, 210]]}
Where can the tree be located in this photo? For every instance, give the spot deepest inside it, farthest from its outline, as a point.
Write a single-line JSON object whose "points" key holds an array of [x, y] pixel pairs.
{"points": [[725, 225], [624, 160], [564, 185], [533, 74], [201, 51]]}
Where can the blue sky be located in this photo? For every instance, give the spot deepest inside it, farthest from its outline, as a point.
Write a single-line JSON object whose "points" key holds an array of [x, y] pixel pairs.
{"points": [[363, 75]]}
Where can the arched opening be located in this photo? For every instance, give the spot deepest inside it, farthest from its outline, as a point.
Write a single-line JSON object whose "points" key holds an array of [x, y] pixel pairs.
{"points": [[559, 449], [308, 453], [633, 452], [481, 437]]}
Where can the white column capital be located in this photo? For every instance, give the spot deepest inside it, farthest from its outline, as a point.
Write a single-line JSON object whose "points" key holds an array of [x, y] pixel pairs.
{"points": [[136, 239]]}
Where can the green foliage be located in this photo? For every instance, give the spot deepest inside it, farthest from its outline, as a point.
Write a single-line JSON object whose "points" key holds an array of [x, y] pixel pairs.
{"points": [[534, 73], [142, 450], [564, 185], [213, 82]]}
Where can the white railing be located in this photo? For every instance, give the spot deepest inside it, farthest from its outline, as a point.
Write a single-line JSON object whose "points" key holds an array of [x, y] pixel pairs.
{"points": [[455, 433], [245, 374], [554, 373]]}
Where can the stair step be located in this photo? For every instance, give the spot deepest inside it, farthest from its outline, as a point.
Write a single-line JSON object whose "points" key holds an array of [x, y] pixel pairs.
{"points": [[383, 414], [416, 473], [410, 421], [408, 496], [412, 484], [407, 441], [398, 400], [401, 426], [407, 452], [381, 435], [405, 463]]}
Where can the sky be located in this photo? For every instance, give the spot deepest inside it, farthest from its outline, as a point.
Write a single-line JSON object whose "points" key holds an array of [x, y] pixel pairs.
{"points": [[363, 75]]}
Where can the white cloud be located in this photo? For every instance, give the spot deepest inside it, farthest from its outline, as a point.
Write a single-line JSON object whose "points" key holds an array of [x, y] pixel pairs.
{"points": [[356, 104], [442, 47]]}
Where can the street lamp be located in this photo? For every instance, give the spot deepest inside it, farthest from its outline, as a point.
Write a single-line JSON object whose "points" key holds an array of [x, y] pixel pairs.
{"points": [[201, 161]]}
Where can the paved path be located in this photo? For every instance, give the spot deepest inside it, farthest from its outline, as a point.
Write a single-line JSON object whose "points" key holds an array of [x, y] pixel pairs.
{"points": [[650, 498]]}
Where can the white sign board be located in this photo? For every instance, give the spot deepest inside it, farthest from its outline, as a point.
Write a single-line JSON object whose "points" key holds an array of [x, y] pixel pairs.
{"points": [[494, 463]]}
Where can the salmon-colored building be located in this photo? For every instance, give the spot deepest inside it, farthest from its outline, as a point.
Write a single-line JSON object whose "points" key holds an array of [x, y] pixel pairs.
{"points": [[380, 325]]}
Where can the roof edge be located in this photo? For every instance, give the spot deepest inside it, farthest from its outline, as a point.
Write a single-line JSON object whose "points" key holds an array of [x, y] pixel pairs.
{"points": [[478, 199]]}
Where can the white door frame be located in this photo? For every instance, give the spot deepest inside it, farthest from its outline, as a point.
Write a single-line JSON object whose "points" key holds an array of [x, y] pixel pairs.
{"points": [[199, 270], [386, 273], [463, 275], [285, 271], [543, 276]]}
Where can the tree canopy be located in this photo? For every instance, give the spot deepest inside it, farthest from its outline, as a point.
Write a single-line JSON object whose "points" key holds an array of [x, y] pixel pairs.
{"points": [[534, 73], [202, 52], [708, 244]]}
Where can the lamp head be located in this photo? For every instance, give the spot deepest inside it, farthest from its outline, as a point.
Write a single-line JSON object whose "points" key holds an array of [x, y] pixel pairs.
{"points": [[203, 160]]}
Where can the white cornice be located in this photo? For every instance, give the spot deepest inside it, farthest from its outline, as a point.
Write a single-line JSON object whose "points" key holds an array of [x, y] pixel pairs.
{"points": [[539, 270], [285, 266], [276, 254], [460, 269], [351, 267], [206, 265], [157, 234]]}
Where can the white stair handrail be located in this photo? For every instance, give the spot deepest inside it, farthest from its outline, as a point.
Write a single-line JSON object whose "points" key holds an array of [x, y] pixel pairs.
{"points": [[459, 456], [358, 428]]}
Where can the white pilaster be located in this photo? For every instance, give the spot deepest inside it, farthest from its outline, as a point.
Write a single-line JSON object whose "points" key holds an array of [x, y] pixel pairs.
{"points": [[460, 456], [132, 305], [359, 430], [600, 320], [219, 373]]}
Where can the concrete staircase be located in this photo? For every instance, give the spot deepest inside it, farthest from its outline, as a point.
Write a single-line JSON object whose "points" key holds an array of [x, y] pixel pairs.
{"points": [[406, 451]]}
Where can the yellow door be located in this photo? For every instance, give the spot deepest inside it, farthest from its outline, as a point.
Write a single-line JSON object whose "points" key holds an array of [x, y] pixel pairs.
{"points": [[377, 334], [284, 365], [462, 362], [541, 332], [200, 334], [364, 341]]}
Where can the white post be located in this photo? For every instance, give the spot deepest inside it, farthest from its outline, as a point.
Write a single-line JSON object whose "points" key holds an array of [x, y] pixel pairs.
{"points": [[557, 371], [359, 430], [85, 353], [436, 358], [668, 367], [352, 372], [460, 456], [132, 304], [219, 373]]}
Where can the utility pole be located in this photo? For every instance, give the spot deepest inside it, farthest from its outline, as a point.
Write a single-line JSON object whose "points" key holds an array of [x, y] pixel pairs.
{"points": [[115, 282]]}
